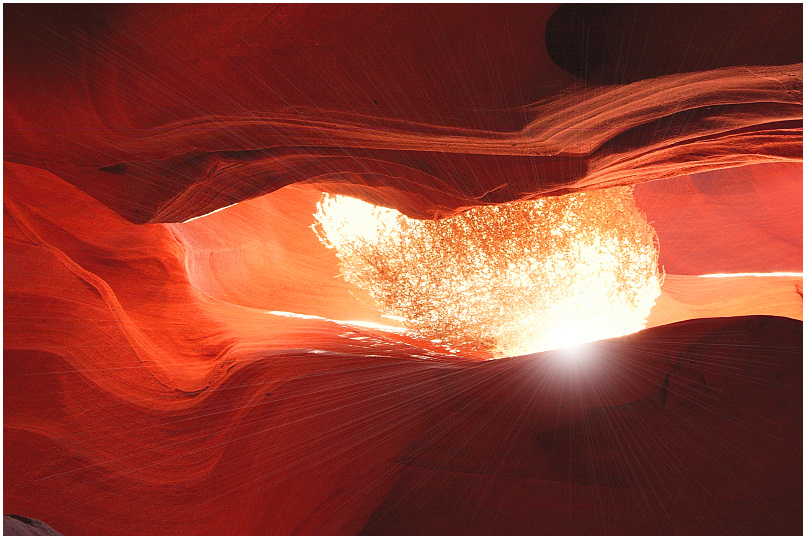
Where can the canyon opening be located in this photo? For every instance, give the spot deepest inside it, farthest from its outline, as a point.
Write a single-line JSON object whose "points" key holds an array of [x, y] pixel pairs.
{"points": [[504, 280], [320, 269]]}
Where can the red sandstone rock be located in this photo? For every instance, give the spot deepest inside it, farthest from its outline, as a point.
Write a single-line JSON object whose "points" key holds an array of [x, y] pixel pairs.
{"points": [[149, 388], [164, 130]]}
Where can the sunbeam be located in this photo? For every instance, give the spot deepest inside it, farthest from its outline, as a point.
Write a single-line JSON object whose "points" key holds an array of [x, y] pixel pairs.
{"points": [[403, 269], [511, 279]]}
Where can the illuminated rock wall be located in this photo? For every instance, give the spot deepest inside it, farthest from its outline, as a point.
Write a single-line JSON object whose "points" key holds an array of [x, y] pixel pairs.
{"points": [[163, 377], [168, 129]]}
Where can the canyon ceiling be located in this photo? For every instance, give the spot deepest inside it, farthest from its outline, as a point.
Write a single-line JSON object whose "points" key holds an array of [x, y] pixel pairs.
{"points": [[181, 355]]}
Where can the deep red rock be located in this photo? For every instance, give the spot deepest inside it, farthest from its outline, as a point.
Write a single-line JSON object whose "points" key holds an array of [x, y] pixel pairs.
{"points": [[154, 385]]}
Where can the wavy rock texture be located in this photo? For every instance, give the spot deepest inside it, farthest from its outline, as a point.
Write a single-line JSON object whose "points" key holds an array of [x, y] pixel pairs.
{"points": [[163, 130], [215, 376]]}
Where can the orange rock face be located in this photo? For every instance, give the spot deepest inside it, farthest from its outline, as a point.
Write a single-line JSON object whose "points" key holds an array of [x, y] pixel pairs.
{"points": [[168, 370]]}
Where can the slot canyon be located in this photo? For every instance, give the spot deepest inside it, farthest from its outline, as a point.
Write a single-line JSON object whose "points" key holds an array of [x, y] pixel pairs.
{"points": [[185, 352]]}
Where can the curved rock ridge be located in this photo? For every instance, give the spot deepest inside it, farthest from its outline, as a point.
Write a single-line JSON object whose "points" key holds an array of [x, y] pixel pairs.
{"points": [[159, 140], [141, 384], [587, 138], [181, 355]]}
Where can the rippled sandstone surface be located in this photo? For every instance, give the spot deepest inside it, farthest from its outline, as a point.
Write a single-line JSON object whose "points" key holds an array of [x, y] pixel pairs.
{"points": [[216, 376]]}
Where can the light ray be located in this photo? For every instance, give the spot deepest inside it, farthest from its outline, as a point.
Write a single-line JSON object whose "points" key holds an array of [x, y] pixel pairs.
{"points": [[509, 279]]}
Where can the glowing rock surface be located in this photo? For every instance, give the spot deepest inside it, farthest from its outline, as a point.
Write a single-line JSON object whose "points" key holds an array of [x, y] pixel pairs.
{"points": [[164, 375]]}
